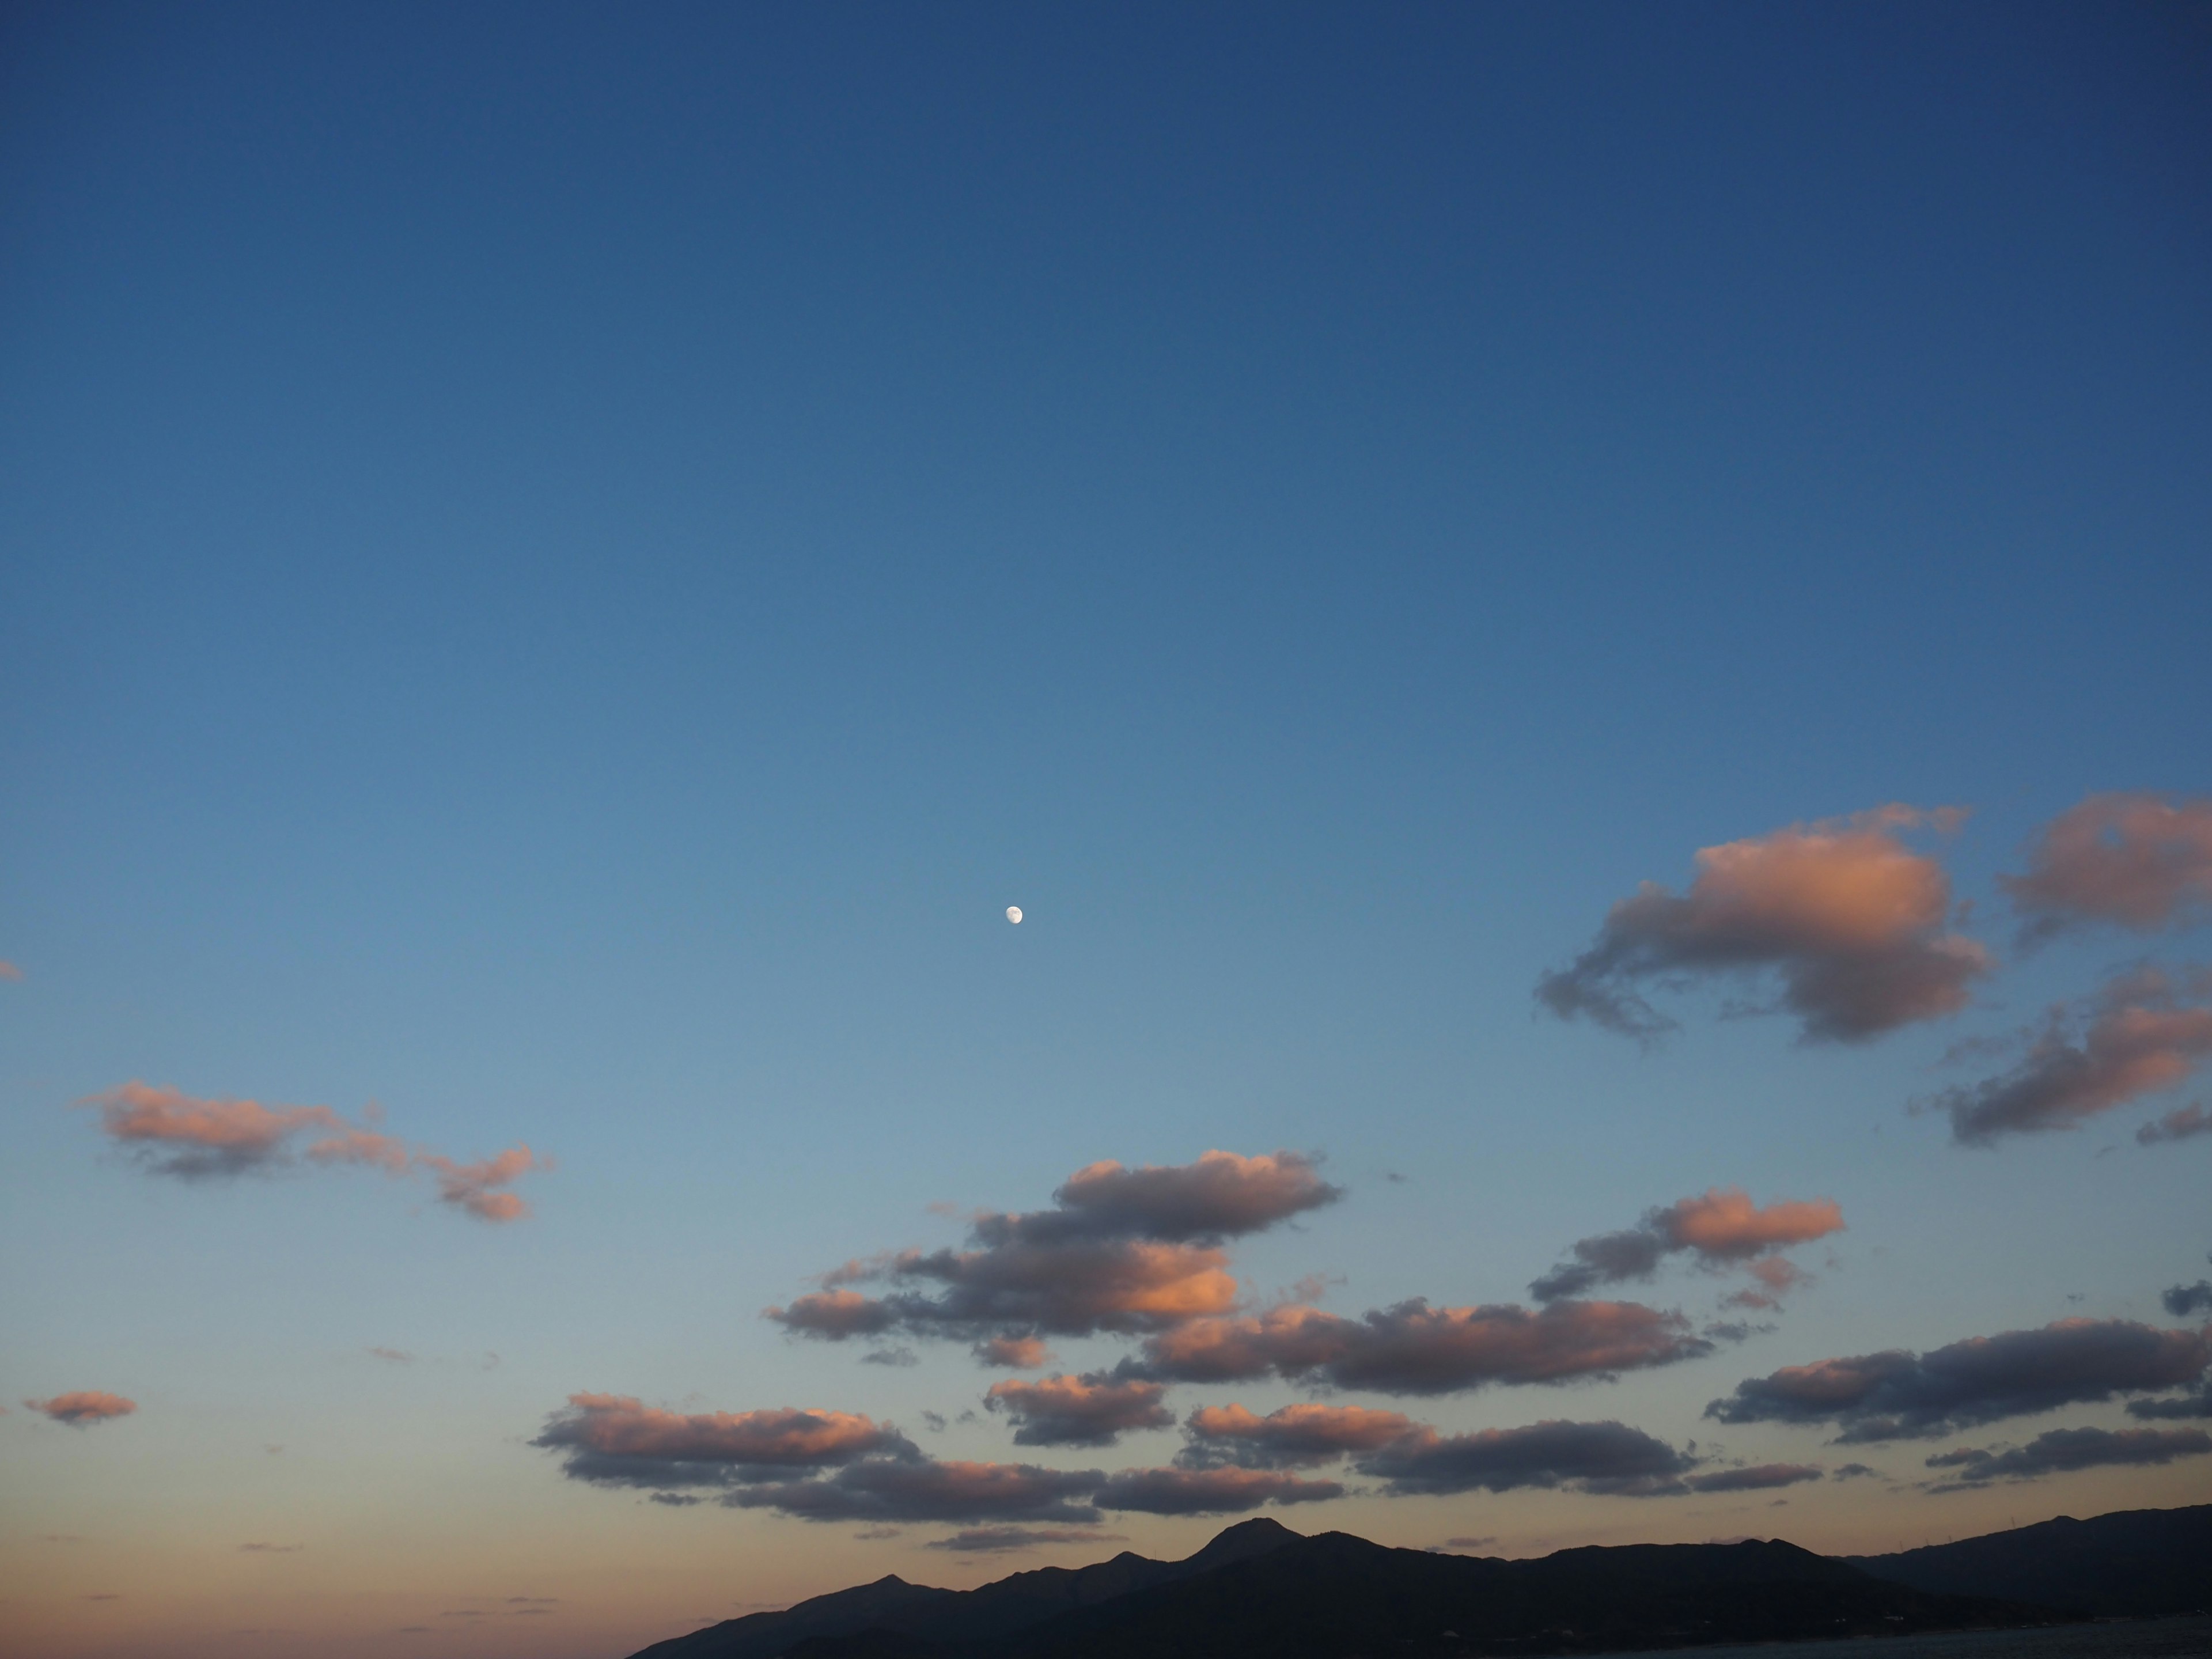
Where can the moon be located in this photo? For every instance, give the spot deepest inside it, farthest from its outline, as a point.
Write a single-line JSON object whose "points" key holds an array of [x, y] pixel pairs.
{"points": [[1014, 915]]}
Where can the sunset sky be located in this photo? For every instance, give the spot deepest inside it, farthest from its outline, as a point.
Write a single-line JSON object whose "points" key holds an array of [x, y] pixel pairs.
{"points": [[1584, 633]]}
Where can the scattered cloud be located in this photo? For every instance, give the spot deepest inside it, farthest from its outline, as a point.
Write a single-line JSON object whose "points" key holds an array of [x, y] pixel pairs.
{"points": [[174, 1134], [1852, 920], [270, 1549], [1013, 1353], [1093, 1410], [898, 1358], [1899, 1395], [1609, 1458], [618, 1440], [2196, 1404], [2060, 1450], [1412, 1348], [2182, 1300], [2137, 860], [2183, 1123], [84, 1407], [998, 1540], [1292, 1437], [2144, 1033], [1858, 1472], [1208, 1492], [1126, 1250], [1468, 1543], [397, 1356], [1723, 1228], [1759, 1477]]}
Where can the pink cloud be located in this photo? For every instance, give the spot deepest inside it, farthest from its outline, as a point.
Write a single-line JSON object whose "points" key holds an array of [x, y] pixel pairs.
{"points": [[84, 1407], [2142, 1033], [1093, 1410], [618, 1440], [1013, 1353], [1851, 921], [2179, 1124], [1723, 1228], [9, 970], [1412, 1348], [2142, 861], [183, 1135]]}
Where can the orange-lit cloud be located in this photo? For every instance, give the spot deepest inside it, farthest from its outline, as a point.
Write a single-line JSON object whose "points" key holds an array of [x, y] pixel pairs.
{"points": [[2183, 1123], [1899, 1395], [193, 1138], [2142, 861], [1093, 1410], [1293, 1437], [1127, 1251], [618, 1440], [1723, 1228], [1852, 921], [1013, 1353], [2145, 1032], [1412, 1348], [84, 1407]]}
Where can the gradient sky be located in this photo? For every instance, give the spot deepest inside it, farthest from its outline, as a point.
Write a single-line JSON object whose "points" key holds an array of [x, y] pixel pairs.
{"points": [[561, 566]]}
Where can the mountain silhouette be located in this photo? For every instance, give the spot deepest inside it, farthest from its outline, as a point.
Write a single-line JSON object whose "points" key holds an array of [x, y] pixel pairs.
{"points": [[1261, 1591], [2132, 1563]]}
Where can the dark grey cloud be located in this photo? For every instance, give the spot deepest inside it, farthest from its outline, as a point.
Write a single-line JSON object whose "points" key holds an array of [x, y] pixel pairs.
{"points": [[2060, 1450], [1092, 1410], [886, 1490], [2183, 1300], [1898, 1396], [1858, 1472], [2146, 1031], [1411, 1348], [1759, 1477], [1850, 919], [1293, 1437], [992, 1540], [1208, 1492], [2197, 1404], [1122, 1250], [1722, 1228], [1605, 1457]]}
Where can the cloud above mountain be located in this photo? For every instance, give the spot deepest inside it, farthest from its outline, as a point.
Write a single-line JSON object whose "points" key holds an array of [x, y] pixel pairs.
{"points": [[1899, 1395], [2059, 1451], [1852, 924], [1092, 1410]]}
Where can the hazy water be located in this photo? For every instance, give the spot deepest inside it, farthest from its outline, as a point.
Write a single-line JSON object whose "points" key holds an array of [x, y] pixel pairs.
{"points": [[2157, 1639]]}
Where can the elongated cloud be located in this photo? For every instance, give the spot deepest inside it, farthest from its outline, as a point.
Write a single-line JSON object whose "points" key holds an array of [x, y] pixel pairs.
{"points": [[618, 1440], [1899, 1395], [1723, 1228], [1126, 1250], [2060, 1450], [1295, 1436], [1850, 920], [994, 1540], [2198, 1404], [2183, 1123], [191, 1138], [1208, 1492], [1759, 1477], [2145, 1032], [890, 1491], [1095, 1410], [1607, 1458], [84, 1407], [2142, 861], [1412, 1348]]}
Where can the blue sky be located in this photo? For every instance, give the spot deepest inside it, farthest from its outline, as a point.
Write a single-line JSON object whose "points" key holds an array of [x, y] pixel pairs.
{"points": [[560, 569]]}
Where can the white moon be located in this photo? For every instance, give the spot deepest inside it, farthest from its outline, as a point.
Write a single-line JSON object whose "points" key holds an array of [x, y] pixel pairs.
{"points": [[1014, 915]]}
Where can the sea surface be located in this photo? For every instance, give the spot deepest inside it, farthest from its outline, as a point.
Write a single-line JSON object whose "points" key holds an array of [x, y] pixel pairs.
{"points": [[2148, 1638]]}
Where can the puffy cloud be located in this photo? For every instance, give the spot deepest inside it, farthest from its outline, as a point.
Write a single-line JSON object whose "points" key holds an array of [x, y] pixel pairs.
{"points": [[618, 1440], [2182, 1300], [2182, 1123], [1208, 1492], [2060, 1450], [84, 1407], [1722, 1228], [1851, 919], [2143, 1033], [1899, 1395], [1412, 1348], [1293, 1437], [1013, 1353], [192, 1138], [2142, 861], [997, 1539], [1093, 1410], [1607, 1457], [1127, 1251], [888, 1490], [1759, 1477]]}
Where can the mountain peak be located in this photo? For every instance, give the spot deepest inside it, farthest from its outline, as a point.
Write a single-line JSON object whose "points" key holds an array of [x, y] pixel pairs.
{"points": [[1257, 1536]]}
